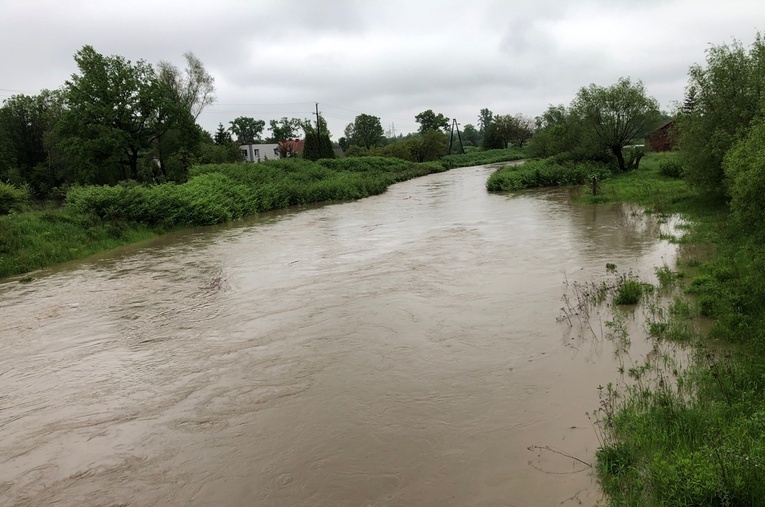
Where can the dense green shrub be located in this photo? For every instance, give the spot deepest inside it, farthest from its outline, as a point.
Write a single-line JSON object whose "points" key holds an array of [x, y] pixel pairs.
{"points": [[224, 192], [744, 167], [671, 168], [12, 198], [545, 173], [474, 157]]}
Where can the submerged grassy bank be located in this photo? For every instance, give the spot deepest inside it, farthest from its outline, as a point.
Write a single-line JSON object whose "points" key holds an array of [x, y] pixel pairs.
{"points": [[692, 436], [96, 218]]}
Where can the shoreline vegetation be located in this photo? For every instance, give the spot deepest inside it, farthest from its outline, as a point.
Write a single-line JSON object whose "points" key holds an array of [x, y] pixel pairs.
{"points": [[95, 218], [673, 435]]}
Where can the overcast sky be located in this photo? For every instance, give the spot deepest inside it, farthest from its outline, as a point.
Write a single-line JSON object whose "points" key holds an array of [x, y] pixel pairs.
{"points": [[391, 59]]}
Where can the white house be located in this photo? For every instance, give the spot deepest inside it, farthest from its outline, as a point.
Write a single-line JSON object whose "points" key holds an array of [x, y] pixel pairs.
{"points": [[259, 152]]}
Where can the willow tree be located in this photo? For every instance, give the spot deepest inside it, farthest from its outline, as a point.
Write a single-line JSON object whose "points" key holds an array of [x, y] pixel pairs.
{"points": [[617, 114]]}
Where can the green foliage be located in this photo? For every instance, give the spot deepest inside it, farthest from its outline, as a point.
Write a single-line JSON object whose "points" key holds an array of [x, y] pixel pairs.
{"points": [[246, 129], [471, 136], [117, 112], [744, 167], [560, 133], [506, 129], [722, 100], [544, 173], [367, 131], [485, 118], [481, 157], [617, 114], [671, 168], [317, 147], [12, 198], [284, 129], [429, 120], [628, 292], [101, 217], [649, 188], [222, 136], [37, 239]]}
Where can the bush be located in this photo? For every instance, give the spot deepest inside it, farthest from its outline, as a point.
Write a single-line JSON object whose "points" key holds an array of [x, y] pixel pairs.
{"points": [[12, 198], [671, 168], [545, 173], [225, 192], [628, 292]]}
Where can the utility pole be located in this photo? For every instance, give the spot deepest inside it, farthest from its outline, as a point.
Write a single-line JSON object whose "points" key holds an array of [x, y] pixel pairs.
{"points": [[451, 136], [318, 125]]}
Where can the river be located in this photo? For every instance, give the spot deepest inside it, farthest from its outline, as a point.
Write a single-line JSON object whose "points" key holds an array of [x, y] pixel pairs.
{"points": [[398, 350]]}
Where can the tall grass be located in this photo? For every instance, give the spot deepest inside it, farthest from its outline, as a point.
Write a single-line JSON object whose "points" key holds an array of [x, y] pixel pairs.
{"points": [[483, 157], [33, 240], [101, 217], [544, 173]]}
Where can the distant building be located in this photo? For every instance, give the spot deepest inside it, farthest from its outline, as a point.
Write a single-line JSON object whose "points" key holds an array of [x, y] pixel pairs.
{"points": [[663, 138], [252, 152]]}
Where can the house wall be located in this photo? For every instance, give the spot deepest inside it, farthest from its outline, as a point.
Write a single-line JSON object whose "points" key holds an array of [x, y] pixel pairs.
{"points": [[661, 139], [259, 152]]}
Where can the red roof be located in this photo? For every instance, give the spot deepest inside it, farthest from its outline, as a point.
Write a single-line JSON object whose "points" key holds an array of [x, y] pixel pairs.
{"points": [[293, 145]]}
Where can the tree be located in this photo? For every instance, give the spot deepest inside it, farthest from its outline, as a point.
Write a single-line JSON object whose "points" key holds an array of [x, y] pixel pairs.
{"points": [[193, 88], [318, 146], [523, 130], [560, 133], [112, 116], [722, 99], [617, 114], [367, 131], [744, 166], [471, 136], [431, 145], [429, 120], [484, 119], [23, 126], [222, 136], [246, 129], [284, 129]]}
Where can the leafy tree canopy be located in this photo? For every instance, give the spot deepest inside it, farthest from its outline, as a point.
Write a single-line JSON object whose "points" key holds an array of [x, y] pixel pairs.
{"points": [[722, 100], [367, 131], [616, 114], [284, 129], [429, 120], [246, 129]]}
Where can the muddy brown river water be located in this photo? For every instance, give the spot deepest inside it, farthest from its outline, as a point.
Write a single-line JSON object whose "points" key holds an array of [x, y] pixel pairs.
{"points": [[399, 350]]}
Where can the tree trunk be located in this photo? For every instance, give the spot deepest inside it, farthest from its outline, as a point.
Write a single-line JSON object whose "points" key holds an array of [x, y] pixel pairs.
{"points": [[617, 150]]}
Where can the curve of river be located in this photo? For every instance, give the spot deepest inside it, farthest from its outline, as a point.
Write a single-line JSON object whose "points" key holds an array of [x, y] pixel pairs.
{"points": [[399, 350]]}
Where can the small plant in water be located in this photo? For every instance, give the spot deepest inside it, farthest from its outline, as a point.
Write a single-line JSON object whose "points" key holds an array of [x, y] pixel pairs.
{"points": [[628, 292], [610, 266], [666, 277]]}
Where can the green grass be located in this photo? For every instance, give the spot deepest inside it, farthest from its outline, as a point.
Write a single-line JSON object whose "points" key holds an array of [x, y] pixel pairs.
{"points": [[33, 240], [544, 173], [98, 218], [476, 157], [646, 186]]}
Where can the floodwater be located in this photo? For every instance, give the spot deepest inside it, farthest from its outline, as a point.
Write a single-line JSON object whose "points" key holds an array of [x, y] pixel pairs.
{"points": [[399, 350]]}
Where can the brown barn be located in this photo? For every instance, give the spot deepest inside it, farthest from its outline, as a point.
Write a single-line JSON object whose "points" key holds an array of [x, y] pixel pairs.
{"points": [[663, 138]]}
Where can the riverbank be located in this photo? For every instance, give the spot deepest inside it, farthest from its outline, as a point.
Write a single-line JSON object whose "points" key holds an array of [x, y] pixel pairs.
{"points": [[689, 436], [97, 218]]}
